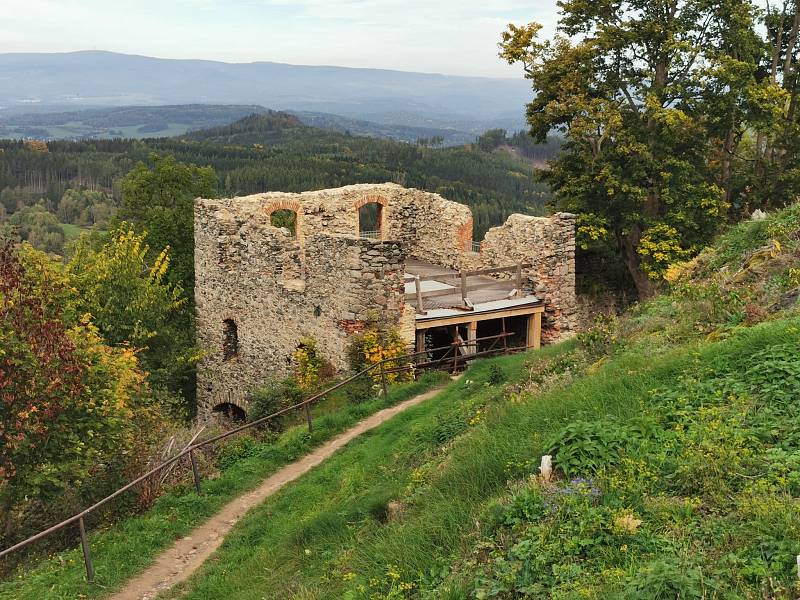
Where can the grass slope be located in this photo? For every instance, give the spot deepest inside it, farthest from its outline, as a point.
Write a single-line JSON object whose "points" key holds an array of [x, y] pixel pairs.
{"points": [[674, 431], [125, 549]]}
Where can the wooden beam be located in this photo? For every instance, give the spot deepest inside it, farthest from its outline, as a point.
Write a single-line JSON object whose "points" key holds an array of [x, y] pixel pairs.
{"points": [[471, 316], [420, 306], [535, 331], [421, 340], [431, 294], [441, 276], [472, 335], [452, 291]]}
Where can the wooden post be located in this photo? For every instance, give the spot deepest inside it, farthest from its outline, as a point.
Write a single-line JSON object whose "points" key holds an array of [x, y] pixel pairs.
{"points": [[463, 286], [383, 381], [87, 552], [535, 331], [421, 340], [472, 335], [420, 308], [456, 347], [195, 473], [519, 278], [308, 418]]}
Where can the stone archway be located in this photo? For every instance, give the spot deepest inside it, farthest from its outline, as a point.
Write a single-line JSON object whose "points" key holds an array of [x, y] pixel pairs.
{"points": [[230, 410], [372, 211], [288, 205]]}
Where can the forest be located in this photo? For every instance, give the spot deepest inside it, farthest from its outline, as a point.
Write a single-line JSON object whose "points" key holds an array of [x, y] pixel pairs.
{"points": [[40, 182]]}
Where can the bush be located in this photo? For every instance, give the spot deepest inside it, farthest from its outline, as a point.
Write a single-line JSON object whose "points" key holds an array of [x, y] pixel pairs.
{"points": [[374, 346], [666, 579], [235, 450], [584, 447], [272, 397], [361, 390], [310, 366], [76, 413], [496, 375]]}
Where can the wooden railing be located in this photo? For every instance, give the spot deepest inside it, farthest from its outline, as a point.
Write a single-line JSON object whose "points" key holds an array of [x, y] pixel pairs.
{"points": [[452, 359], [465, 287]]}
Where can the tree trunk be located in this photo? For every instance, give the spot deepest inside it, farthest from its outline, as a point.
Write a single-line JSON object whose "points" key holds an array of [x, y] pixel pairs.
{"points": [[630, 245]]}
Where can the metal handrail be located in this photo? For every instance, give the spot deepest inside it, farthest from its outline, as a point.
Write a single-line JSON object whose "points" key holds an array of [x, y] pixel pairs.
{"points": [[189, 450]]}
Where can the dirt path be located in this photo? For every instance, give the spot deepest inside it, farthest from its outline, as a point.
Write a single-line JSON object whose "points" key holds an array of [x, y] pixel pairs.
{"points": [[187, 554]]}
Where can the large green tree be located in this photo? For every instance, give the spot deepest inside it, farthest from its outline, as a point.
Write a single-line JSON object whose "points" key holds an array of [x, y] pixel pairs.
{"points": [[123, 286], [159, 198], [653, 98]]}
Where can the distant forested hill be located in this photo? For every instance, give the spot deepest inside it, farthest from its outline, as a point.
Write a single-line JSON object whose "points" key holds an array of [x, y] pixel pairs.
{"points": [[273, 151], [140, 122]]}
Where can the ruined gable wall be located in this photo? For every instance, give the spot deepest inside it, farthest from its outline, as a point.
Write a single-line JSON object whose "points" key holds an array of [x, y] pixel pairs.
{"points": [[548, 244], [436, 230], [277, 293]]}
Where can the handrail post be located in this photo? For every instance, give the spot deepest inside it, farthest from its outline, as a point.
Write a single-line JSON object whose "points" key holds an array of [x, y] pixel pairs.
{"points": [[87, 552], [383, 381], [463, 286], [308, 417], [195, 473], [455, 357], [418, 286], [519, 278]]}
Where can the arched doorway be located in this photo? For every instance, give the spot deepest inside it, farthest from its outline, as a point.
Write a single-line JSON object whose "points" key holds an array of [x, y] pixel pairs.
{"points": [[372, 217], [230, 411], [285, 218], [286, 215]]}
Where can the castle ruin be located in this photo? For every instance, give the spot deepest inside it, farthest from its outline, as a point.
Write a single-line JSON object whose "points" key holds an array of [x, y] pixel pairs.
{"points": [[261, 288]]}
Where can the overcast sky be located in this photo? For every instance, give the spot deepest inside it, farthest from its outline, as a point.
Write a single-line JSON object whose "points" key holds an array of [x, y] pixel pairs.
{"points": [[444, 36]]}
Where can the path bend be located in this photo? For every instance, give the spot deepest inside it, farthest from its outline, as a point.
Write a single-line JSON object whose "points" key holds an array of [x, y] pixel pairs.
{"points": [[187, 554]]}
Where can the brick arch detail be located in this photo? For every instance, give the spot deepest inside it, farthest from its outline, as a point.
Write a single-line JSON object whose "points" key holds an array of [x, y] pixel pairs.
{"points": [[464, 240], [382, 202], [295, 207], [371, 199]]}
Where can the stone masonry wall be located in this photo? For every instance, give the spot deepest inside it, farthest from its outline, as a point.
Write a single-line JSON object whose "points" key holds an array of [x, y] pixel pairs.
{"points": [[327, 283], [277, 293], [548, 244]]}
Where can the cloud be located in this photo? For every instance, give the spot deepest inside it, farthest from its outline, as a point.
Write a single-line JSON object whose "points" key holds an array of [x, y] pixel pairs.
{"points": [[452, 36]]}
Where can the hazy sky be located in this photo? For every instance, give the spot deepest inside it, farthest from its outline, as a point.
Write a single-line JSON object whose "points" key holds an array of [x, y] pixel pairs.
{"points": [[447, 36]]}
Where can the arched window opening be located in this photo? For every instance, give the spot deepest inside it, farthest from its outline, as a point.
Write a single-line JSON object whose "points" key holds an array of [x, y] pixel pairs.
{"points": [[284, 219], [230, 411], [230, 339], [370, 218]]}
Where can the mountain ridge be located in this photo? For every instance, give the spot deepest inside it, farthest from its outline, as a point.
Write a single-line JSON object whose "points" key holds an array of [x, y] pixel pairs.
{"points": [[101, 79]]}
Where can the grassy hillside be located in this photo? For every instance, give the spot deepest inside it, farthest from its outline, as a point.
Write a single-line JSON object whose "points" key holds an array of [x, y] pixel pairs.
{"points": [[122, 549], [674, 436]]}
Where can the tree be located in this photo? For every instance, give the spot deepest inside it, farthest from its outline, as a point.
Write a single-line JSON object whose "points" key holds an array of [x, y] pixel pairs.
{"points": [[132, 304], [492, 139], [646, 160], [159, 199], [71, 406], [37, 226]]}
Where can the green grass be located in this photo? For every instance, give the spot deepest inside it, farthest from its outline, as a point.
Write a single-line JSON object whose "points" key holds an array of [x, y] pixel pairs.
{"points": [[330, 524], [123, 550], [330, 534], [71, 232]]}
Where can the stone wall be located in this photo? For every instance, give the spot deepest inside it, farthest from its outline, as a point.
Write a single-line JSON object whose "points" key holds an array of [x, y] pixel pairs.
{"points": [[327, 283], [548, 245], [276, 293]]}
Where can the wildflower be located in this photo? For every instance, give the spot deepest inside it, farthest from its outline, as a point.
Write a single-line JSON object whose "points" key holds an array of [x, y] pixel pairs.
{"points": [[626, 523]]}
